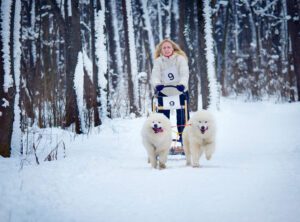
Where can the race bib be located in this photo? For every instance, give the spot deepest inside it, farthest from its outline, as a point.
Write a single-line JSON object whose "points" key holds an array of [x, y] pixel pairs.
{"points": [[170, 75], [171, 102]]}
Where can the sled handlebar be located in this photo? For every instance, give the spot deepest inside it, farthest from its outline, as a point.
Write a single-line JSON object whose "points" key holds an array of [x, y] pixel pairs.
{"points": [[169, 86]]}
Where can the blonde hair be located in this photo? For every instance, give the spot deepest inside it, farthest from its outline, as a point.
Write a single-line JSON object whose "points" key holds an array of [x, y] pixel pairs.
{"points": [[176, 48]]}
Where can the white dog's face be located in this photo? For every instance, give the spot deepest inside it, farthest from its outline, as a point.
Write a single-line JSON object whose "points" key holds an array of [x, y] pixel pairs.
{"points": [[158, 123], [157, 126], [202, 125], [203, 122]]}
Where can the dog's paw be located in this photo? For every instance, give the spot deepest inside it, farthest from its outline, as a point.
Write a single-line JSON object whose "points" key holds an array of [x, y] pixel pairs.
{"points": [[196, 165], [162, 166], [154, 165], [208, 156]]}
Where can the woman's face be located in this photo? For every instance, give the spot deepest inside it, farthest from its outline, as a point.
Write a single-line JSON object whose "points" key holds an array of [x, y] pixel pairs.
{"points": [[167, 49]]}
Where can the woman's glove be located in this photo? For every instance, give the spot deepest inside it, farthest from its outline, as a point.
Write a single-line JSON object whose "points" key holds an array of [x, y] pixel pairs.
{"points": [[159, 88], [180, 88]]}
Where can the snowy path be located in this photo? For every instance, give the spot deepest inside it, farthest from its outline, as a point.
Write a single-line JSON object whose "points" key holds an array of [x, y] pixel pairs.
{"points": [[254, 175]]}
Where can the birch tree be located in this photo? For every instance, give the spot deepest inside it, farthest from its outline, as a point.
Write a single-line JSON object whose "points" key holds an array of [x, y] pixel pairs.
{"points": [[10, 112], [116, 62], [6, 80], [210, 57], [130, 58], [147, 26], [101, 55], [97, 120], [203, 61], [16, 143]]}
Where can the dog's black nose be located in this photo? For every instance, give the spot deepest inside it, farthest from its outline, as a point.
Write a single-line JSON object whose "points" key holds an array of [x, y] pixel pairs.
{"points": [[155, 125], [202, 128]]}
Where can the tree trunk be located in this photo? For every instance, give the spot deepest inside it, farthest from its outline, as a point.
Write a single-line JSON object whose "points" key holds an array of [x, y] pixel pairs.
{"points": [[181, 42], [6, 104], [188, 36], [96, 104], [194, 58], [73, 46], [133, 108], [224, 52], [203, 60], [294, 27]]}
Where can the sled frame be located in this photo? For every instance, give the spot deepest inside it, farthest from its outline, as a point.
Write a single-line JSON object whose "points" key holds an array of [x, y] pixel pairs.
{"points": [[175, 149]]}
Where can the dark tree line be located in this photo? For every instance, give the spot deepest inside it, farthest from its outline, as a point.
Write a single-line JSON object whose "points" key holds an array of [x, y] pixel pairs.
{"points": [[92, 59], [255, 48]]}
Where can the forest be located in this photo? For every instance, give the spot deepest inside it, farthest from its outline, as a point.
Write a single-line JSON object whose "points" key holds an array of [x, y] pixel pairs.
{"points": [[71, 64]]}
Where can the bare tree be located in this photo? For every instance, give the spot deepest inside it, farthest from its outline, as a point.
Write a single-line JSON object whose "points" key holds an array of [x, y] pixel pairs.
{"points": [[6, 100], [203, 68], [294, 27], [95, 89], [132, 102]]}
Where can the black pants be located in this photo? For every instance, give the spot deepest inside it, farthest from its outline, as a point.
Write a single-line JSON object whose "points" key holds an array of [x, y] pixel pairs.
{"points": [[180, 113]]}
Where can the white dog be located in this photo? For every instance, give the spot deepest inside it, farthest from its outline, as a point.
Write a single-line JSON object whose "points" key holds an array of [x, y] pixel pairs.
{"points": [[157, 139], [198, 137]]}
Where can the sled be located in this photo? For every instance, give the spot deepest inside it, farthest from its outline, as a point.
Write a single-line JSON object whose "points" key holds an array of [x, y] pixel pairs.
{"points": [[172, 103]]}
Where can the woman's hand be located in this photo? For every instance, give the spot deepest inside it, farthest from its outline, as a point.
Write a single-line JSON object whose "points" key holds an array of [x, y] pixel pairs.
{"points": [[180, 88], [159, 88]]}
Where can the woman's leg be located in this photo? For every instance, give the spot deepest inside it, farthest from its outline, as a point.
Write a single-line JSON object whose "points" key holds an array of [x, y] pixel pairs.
{"points": [[181, 118], [180, 122], [160, 103]]}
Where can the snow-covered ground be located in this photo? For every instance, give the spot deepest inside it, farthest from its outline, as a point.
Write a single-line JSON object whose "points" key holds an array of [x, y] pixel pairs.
{"points": [[253, 176]]}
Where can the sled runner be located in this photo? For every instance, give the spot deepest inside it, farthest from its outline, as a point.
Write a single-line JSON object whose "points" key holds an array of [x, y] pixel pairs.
{"points": [[168, 105]]}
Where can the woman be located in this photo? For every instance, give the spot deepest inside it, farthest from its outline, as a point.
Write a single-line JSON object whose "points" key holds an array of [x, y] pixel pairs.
{"points": [[171, 69]]}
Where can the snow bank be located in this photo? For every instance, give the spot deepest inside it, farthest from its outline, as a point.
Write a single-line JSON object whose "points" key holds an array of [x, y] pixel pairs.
{"points": [[253, 176]]}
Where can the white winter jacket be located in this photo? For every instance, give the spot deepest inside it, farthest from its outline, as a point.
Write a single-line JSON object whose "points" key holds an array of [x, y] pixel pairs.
{"points": [[170, 71]]}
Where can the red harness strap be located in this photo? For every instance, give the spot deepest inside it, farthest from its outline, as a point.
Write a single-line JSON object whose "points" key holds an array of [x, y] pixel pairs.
{"points": [[182, 125]]}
